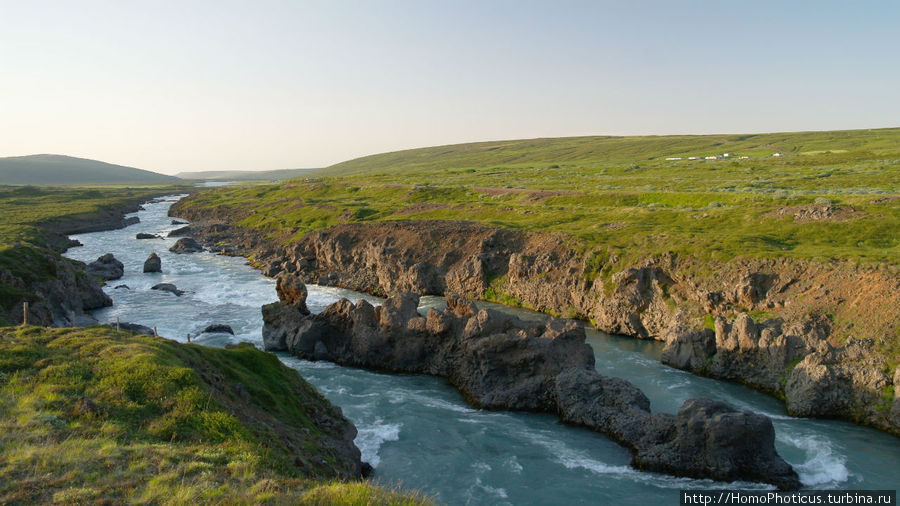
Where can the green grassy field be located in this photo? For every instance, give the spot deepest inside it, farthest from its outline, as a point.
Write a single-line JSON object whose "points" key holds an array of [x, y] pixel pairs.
{"points": [[620, 194], [587, 152], [92, 415]]}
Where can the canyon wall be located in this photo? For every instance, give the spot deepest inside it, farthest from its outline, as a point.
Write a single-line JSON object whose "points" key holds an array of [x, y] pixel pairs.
{"points": [[822, 336]]}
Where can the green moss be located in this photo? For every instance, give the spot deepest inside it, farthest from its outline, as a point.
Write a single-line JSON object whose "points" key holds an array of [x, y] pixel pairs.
{"points": [[709, 322], [594, 263]]}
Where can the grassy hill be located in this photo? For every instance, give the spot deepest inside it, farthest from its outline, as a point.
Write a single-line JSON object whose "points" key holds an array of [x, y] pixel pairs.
{"points": [[245, 175], [591, 151], [59, 169], [96, 416], [838, 200]]}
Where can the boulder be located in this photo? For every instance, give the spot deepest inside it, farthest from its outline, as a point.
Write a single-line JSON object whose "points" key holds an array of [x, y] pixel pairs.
{"points": [[179, 222], [708, 439], [153, 263], [167, 287], [122, 287], [179, 232], [186, 245], [217, 328], [143, 235], [106, 267]]}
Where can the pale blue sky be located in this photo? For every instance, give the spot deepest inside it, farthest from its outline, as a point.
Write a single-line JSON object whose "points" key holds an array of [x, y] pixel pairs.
{"points": [[215, 85]]}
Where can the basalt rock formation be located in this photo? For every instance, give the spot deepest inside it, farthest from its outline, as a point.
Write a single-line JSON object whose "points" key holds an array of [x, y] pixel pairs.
{"points": [[58, 301], [502, 362], [800, 308], [168, 287], [153, 263], [217, 328], [186, 245], [106, 267]]}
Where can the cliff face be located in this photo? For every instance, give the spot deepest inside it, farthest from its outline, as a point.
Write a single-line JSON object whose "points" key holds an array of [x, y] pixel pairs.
{"points": [[821, 336]]}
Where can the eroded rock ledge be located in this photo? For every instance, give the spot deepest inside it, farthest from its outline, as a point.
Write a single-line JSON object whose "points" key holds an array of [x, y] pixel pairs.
{"points": [[834, 313], [502, 362]]}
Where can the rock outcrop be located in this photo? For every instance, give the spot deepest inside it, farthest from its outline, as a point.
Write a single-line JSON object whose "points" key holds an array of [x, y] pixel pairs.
{"points": [[794, 361], [153, 263], [106, 267], [186, 245], [144, 235], [499, 361], [59, 301], [217, 328], [168, 287]]}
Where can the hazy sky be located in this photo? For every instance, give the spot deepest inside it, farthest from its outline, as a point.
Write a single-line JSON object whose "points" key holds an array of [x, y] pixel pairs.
{"points": [[214, 85]]}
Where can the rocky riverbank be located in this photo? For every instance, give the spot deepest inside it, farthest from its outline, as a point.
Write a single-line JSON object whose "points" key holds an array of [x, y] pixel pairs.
{"points": [[818, 335], [59, 290], [501, 362]]}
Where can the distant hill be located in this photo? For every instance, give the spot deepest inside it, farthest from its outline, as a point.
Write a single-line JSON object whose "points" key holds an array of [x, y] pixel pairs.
{"points": [[589, 151], [245, 175], [60, 169]]}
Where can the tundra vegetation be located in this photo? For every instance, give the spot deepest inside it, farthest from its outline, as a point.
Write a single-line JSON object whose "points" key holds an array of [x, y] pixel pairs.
{"points": [[619, 193], [92, 415]]}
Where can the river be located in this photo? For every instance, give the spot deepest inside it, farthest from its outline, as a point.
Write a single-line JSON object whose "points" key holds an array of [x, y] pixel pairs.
{"points": [[418, 432]]}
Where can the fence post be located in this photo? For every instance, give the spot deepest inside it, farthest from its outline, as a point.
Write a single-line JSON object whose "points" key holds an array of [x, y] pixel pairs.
{"points": [[154, 332], [189, 337], [117, 324], [25, 313]]}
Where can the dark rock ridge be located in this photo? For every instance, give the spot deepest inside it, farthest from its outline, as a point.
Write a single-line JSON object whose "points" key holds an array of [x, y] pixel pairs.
{"points": [[168, 287], [153, 263], [217, 327], [144, 235], [502, 362], [106, 267], [665, 297], [59, 301], [186, 245]]}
